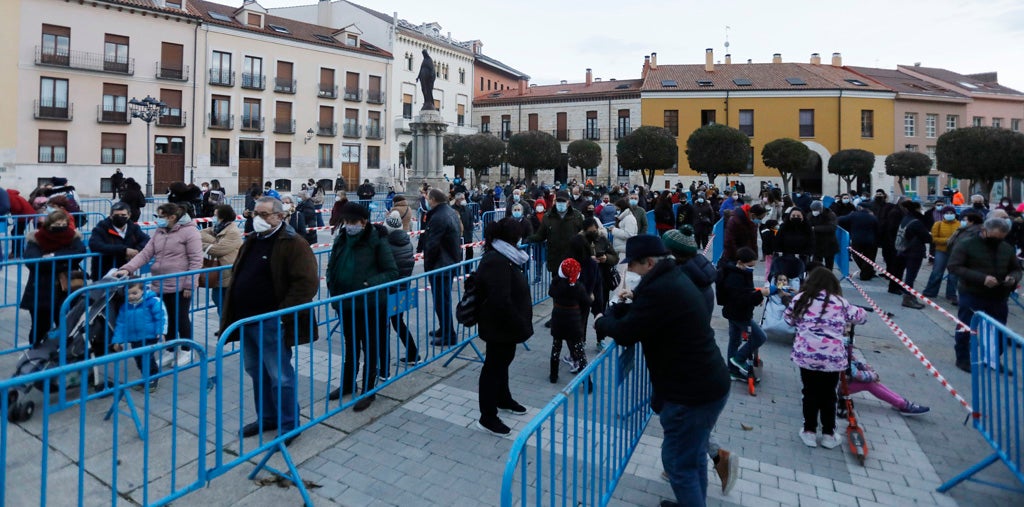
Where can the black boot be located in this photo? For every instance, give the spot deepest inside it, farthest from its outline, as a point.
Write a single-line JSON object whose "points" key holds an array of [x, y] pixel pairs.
{"points": [[553, 377]]}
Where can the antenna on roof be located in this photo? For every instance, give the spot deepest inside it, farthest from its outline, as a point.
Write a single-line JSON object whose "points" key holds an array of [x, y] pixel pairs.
{"points": [[726, 39]]}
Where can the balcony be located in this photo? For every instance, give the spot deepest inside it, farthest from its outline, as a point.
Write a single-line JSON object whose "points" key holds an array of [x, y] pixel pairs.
{"points": [[176, 121], [284, 126], [353, 94], [115, 117], [84, 61], [219, 77], [351, 129], [327, 91], [592, 134], [374, 132], [462, 130], [621, 132], [375, 97], [252, 124], [326, 129], [221, 121], [284, 85], [506, 135], [253, 81], [282, 162], [54, 111], [401, 124], [171, 74], [561, 134]]}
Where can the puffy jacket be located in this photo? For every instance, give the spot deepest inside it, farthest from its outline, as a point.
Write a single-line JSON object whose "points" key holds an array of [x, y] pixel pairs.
{"points": [[626, 229], [224, 246], [557, 231], [143, 321], [358, 262], [702, 273], [862, 226], [105, 241], [824, 227], [506, 306], [41, 288], [740, 232], [820, 342], [942, 231], [173, 250], [795, 238], [402, 251], [440, 242], [19, 206], [402, 207], [736, 288], [974, 258], [916, 236]]}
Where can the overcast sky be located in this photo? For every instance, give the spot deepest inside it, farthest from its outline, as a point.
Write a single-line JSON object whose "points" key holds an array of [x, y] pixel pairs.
{"points": [[551, 40]]}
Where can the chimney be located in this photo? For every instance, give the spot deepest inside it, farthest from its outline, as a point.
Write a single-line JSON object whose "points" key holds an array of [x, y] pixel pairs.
{"points": [[749, 61], [728, 59], [590, 77], [523, 84], [323, 13], [777, 58], [647, 67], [564, 82], [815, 59], [837, 60], [597, 80], [709, 60], [654, 60]]}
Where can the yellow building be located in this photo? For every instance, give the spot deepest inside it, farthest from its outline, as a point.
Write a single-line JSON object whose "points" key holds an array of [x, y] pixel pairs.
{"points": [[827, 107]]}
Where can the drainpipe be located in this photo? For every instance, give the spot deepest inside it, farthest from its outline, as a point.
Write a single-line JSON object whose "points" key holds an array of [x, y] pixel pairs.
{"points": [[609, 179], [195, 69], [840, 140]]}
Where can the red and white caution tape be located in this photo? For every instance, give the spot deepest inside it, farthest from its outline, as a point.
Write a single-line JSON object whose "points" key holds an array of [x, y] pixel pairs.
{"points": [[418, 257], [913, 348], [707, 247], [960, 325]]}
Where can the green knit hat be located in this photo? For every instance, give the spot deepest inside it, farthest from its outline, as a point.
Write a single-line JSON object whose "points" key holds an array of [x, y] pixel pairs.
{"points": [[680, 241]]}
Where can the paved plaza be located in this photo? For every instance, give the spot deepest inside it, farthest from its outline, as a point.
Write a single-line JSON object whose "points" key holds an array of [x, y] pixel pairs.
{"points": [[417, 444]]}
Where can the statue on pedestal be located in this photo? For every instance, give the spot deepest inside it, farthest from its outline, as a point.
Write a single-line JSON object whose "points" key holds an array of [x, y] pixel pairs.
{"points": [[426, 80]]}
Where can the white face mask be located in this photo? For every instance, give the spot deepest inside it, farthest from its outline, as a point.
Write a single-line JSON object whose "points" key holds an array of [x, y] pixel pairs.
{"points": [[260, 225], [286, 207], [815, 213]]}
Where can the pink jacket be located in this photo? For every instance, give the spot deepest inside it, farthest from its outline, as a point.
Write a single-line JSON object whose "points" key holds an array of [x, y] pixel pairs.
{"points": [[820, 342], [174, 250]]}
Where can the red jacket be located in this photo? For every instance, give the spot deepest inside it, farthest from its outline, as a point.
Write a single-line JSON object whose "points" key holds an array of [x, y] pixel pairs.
{"points": [[19, 206], [740, 232]]}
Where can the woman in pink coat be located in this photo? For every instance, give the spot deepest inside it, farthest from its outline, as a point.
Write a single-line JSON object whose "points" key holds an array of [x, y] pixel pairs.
{"points": [[175, 247]]}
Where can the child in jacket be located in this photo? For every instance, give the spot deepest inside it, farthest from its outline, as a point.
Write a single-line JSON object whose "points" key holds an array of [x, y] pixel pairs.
{"points": [[568, 298], [739, 297], [142, 321]]}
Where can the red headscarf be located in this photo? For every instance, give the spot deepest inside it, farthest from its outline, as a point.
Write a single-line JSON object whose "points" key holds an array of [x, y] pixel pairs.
{"points": [[570, 269]]}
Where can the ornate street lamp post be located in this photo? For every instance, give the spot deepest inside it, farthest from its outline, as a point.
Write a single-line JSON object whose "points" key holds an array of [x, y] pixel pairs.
{"points": [[147, 110]]}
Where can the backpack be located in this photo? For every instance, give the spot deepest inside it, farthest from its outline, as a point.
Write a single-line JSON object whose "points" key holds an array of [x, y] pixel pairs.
{"points": [[902, 244], [466, 312]]}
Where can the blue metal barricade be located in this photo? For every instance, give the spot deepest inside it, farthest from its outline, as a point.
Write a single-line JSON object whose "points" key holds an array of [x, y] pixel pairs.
{"points": [[842, 259], [488, 217], [101, 206], [996, 353], [717, 240], [576, 449]]}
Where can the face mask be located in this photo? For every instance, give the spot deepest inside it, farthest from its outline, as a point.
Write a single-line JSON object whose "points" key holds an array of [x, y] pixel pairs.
{"points": [[605, 201], [592, 236], [798, 194], [161, 222], [517, 214], [963, 223], [765, 201], [735, 197], [796, 219], [757, 221], [1006, 203], [576, 196], [540, 209], [949, 217], [286, 207], [50, 209], [700, 201], [515, 198], [749, 268], [846, 200], [426, 205], [260, 225], [633, 202], [119, 221], [561, 207], [353, 229], [816, 213], [58, 229]]}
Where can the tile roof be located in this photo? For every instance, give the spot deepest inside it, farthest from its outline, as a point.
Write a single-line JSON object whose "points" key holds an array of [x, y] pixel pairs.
{"points": [[152, 5], [564, 92], [762, 76], [967, 82], [904, 83], [411, 30], [297, 30], [491, 62]]}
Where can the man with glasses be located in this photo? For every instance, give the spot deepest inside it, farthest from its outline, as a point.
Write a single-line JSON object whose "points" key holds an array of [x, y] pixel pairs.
{"points": [[117, 239], [275, 269]]}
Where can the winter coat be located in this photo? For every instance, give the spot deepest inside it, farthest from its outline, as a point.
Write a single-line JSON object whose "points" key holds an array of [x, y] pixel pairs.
{"points": [[298, 222], [134, 198], [557, 231], [736, 288], [862, 226], [703, 274], [916, 236], [402, 252], [526, 224], [568, 303], [740, 232], [295, 278], [941, 232], [466, 219], [402, 207], [606, 214], [824, 227], [684, 361], [224, 246], [641, 218], [42, 290], [626, 229], [684, 214], [18, 205], [820, 342], [441, 241], [974, 258], [105, 241], [704, 217], [365, 192], [143, 321], [175, 250], [664, 220], [841, 209], [307, 211], [795, 238], [505, 314], [358, 262]]}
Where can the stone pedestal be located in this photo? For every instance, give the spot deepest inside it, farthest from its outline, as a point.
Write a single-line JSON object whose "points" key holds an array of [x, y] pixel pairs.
{"points": [[428, 131]]}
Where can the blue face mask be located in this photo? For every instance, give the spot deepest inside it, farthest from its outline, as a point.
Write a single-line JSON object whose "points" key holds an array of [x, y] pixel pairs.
{"points": [[517, 214], [50, 209], [426, 205], [949, 217], [633, 202], [561, 206], [161, 222], [757, 221]]}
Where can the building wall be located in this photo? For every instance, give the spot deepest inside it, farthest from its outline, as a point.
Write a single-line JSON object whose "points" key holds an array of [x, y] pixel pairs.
{"points": [[492, 81], [920, 141], [10, 34]]}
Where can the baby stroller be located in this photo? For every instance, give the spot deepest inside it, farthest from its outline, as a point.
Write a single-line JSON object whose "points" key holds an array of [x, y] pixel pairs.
{"points": [[786, 275], [89, 323]]}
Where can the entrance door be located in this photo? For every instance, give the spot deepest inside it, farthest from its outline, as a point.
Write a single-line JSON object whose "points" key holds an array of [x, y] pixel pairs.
{"points": [[562, 171], [810, 183], [168, 162], [250, 164], [350, 157]]}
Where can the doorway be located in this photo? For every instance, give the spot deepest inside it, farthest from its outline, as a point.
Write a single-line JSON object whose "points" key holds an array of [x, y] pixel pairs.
{"points": [[250, 164], [350, 158], [168, 162], [811, 183]]}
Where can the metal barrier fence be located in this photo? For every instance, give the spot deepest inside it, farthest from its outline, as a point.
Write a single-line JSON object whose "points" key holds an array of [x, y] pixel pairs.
{"points": [[576, 449], [996, 353], [101, 206], [717, 240]]}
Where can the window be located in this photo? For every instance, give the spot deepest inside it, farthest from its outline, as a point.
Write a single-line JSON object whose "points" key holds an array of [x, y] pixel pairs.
{"points": [[220, 150], [53, 98], [53, 146], [1015, 124], [327, 87], [171, 58], [460, 115], [373, 125], [997, 122], [462, 76], [252, 73], [376, 95], [351, 126], [506, 126], [909, 124], [707, 117], [931, 122], [169, 145], [172, 113], [485, 123], [325, 127], [622, 173], [437, 104], [867, 123], [282, 154], [352, 40], [115, 53], [806, 123], [407, 106], [533, 121], [56, 48], [350, 153], [284, 82], [750, 162], [672, 121], [977, 121], [220, 69], [115, 103], [278, 28], [506, 169], [951, 121], [352, 86], [561, 130], [251, 115], [591, 131], [408, 61], [481, 84], [254, 19], [373, 157], [911, 148], [283, 121], [325, 157], [622, 128], [930, 150], [747, 122], [220, 111], [112, 148], [488, 84]]}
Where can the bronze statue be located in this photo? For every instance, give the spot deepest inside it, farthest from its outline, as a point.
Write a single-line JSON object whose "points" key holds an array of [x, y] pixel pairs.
{"points": [[426, 81]]}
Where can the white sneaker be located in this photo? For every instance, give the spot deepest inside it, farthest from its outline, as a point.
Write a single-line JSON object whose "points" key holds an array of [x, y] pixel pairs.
{"points": [[184, 358], [809, 438], [831, 441], [168, 358]]}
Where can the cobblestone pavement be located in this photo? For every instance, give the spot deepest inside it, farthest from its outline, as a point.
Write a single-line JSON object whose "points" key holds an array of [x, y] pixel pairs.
{"points": [[417, 445]]}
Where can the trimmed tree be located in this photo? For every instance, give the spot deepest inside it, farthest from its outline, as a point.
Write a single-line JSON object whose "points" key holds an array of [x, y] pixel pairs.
{"points": [[907, 164], [851, 164], [533, 150], [584, 154], [717, 149], [788, 156], [480, 152], [981, 154], [648, 150]]}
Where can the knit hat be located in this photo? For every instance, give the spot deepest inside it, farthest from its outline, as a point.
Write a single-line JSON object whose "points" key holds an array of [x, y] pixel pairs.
{"points": [[393, 221], [680, 241], [948, 209], [353, 210], [816, 206], [569, 269], [58, 181], [745, 254]]}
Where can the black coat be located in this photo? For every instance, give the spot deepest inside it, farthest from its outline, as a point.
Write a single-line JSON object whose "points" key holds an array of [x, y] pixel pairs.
{"points": [[795, 238], [824, 227], [702, 273], [842, 209], [440, 242], [568, 304], [685, 362], [736, 288], [401, 249], [466, 218], [916, 236], [42, 291], [365, 191], [134, 198], [862, 226], [506, 306], [105, 241], [684, 214]]}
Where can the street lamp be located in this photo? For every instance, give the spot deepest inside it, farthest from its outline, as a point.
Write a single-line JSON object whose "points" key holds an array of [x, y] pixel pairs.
{"points": [[147, 110]]}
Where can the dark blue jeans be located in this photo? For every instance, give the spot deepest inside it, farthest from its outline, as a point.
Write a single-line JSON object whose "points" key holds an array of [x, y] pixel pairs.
{"points": [[441, 292], [995, 308], [269, 364], [755, 338], [684, 452], [935, 280]]}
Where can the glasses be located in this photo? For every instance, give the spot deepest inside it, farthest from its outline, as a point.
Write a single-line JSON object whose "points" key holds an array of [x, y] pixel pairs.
{"points": [[265, 214]]}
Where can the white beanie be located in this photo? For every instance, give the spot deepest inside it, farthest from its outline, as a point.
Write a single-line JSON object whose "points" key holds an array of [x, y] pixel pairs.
{"points": [[393, 221]]}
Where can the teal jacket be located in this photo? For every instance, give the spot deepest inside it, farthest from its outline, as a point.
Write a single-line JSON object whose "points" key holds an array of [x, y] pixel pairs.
{"points": [[358, 262]]}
